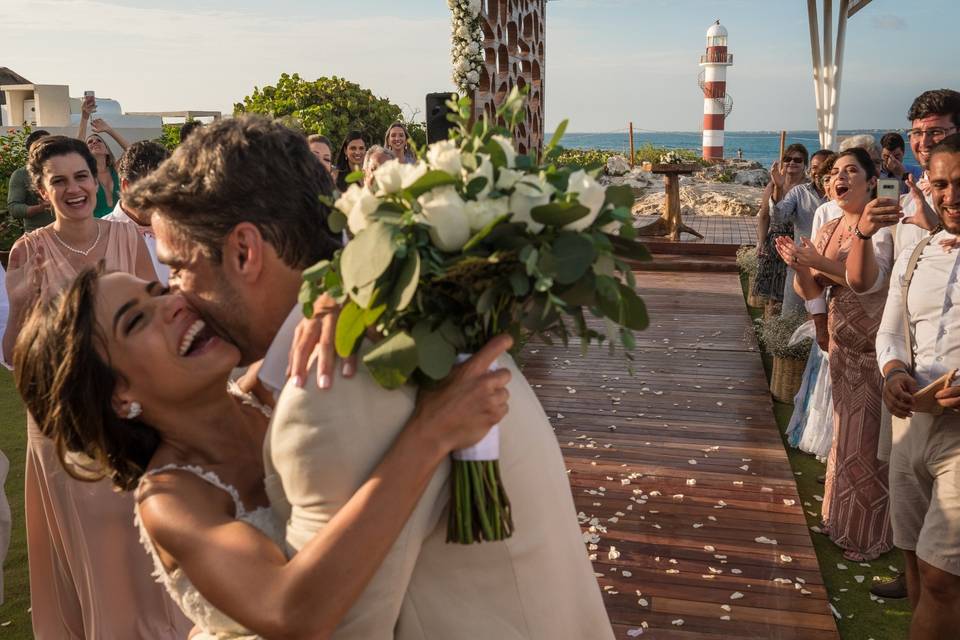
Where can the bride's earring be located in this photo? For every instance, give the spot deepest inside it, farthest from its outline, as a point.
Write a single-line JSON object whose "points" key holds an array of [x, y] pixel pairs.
{"points": [[134, 410]]}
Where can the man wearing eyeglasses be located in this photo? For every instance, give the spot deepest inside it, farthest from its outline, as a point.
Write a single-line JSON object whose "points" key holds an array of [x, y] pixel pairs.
{"points": [[933, 116]]}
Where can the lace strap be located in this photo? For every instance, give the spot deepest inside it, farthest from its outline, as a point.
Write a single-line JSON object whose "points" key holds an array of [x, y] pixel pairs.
{"points": [[207, 476], [248, 399]]}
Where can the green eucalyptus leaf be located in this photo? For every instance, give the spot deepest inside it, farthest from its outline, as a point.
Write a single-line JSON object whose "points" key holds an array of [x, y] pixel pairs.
{"points": [[354, 176], [524, 162], [497, 155], [392, 360], [520, 283], [581, 293], [406, 283], [573, 254], [434, 354], [629, 249], [454, 335], [366, 258], [430, 180], [620, 196], [317, 272], [337, 221], [475, 186], [633, 310], [557, 136], [350, 328], [486, 300], [559, 214]]}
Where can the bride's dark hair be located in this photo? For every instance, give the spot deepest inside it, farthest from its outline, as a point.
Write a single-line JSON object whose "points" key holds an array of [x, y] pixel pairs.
{"points": [[61, 371]]}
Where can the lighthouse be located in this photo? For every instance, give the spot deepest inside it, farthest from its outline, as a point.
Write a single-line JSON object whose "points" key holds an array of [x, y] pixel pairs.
{"points": [[717, 105]]}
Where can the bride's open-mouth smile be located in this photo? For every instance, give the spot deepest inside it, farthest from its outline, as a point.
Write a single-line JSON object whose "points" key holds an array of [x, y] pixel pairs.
{"points": [[197, 339]]}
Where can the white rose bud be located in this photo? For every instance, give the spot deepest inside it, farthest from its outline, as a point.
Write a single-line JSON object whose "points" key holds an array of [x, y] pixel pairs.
{"points": [[475, 7], [529, 192], [473, 48], [507, 145], [445, 212], [590, 194], [508, 178], [473, 77], [482, 213], [485, 170], [463, 32], [364, 203], [445, 156]]}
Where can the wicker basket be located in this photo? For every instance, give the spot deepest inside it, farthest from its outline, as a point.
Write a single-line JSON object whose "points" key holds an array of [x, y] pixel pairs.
{"points": [[753, 300], [786, 378]]}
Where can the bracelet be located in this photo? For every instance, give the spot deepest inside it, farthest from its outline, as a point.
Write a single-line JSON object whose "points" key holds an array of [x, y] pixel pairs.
{"points": [[890, 373], [860, 234]]}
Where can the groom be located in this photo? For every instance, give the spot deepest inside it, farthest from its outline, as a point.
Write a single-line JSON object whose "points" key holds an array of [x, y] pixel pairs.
{"points": [[237, 218]]}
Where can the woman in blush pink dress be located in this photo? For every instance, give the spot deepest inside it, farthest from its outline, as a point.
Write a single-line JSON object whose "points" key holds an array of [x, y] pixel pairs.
{"points": [[89, 576]]}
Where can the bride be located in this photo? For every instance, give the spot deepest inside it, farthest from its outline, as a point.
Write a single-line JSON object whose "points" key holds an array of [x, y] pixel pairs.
{"points": [[127, 374]]}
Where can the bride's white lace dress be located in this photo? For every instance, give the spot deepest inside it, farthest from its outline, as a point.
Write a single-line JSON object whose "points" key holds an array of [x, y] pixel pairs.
{"points": [[213, 623]]}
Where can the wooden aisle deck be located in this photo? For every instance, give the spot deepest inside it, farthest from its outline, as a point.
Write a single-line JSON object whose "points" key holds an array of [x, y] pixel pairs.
{"points": [[679, 473]]}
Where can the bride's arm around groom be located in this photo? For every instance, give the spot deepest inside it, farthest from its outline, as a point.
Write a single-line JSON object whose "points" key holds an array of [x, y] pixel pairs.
{"points": [[537, 584]]}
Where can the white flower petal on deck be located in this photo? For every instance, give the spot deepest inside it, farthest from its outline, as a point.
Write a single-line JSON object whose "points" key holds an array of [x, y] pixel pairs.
{"points": [[764, 540], [859, 579], [736, 595]]}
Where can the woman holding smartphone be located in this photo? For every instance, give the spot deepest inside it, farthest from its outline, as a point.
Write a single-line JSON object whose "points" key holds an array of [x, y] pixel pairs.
{"points": [[108, 192], [856, 481]]}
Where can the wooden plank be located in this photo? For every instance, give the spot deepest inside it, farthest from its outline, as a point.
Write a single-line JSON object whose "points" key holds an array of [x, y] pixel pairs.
{"points": [[679, 472]]}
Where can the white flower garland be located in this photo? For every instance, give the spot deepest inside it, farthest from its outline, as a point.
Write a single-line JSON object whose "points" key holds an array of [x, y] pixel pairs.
{"points": [[466, 44]]}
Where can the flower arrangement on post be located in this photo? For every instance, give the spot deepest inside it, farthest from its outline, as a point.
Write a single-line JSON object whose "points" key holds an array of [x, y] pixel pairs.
{"points": [[672, 157], [466, 44], [473, 241]]}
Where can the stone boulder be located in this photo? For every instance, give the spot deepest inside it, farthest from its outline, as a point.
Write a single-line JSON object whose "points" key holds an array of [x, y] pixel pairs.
{"points": [[617, 166], [705, 198], [752, 177], [637, 179]]}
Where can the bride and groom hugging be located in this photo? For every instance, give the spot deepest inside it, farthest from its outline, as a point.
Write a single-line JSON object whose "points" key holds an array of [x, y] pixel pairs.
{"points": [[339, 527]]}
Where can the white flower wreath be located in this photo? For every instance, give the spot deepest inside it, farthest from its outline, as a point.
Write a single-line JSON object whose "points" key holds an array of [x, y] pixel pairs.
{"points": [[466, 44]]}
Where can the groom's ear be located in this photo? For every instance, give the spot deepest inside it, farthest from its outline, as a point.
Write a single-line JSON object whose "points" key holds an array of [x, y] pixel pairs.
{"points": [[243, 251]]}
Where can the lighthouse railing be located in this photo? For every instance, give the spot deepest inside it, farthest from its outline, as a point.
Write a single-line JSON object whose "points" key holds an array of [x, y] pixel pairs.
{"points": [[722, 58]]}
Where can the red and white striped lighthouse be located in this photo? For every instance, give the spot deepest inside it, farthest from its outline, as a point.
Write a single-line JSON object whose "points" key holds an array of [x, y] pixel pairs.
{"points": [[716, 103]]}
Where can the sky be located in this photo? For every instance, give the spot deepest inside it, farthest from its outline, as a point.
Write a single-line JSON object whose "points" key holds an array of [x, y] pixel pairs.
{"points": [[608, 62]]}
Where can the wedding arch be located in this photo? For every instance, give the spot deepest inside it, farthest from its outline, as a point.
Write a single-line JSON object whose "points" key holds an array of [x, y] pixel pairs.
{"points": [[497, 45]]}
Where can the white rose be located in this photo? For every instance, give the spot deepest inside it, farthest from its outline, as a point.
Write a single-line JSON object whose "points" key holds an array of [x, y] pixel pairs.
{"points": [[507, 145], [482, 213], [445, 212], [463, 31], [358, 204], [473, 48], [392, 176], [475, 7], [485, 170], [529, 192], [590, 194], [508, 178], [445, 156], [473, 77]]}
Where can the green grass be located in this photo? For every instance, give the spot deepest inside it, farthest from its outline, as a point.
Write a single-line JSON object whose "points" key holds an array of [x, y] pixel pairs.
{"points": [[862, 618], [15, 610]]}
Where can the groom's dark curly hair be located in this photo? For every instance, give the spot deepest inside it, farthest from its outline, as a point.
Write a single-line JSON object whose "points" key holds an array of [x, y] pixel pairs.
{"points": [[247, 169]]}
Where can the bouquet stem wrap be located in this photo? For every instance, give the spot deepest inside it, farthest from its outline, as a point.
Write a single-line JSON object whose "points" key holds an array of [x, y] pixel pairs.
{"points": [[479, 506]]}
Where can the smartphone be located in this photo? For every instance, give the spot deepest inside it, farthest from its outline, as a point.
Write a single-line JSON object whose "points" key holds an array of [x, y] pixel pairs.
{"points": [[888, 188], [91, 94]]}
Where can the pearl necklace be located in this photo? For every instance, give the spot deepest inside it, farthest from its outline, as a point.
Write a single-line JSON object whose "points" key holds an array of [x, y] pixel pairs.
{"points": [[79, 251]]}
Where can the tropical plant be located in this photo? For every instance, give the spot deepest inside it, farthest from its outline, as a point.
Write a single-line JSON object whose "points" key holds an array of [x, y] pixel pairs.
{"points": [[13, 155], [330, 106]]}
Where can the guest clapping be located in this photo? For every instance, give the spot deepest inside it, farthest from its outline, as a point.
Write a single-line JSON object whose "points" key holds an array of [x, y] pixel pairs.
{"points": [[856, 484]]}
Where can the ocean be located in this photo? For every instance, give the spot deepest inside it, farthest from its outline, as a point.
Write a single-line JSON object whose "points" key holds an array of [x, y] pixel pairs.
{"points": [[761, 146]]}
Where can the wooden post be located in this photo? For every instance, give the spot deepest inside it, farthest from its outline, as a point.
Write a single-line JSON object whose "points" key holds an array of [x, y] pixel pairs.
{"points": [[783, 143], [672, 204], [631, 146]]}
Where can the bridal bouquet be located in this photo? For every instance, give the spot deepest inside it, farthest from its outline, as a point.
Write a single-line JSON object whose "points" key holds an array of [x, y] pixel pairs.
{"points": [[472, 241]]}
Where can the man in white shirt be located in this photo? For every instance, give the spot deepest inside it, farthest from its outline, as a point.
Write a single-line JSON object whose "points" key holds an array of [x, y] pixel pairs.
{"points": [[140, 159], [925, 458]]}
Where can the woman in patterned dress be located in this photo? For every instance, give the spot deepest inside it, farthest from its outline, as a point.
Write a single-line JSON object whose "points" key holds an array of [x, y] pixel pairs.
{"points": [[784, 176], [856, 482]]}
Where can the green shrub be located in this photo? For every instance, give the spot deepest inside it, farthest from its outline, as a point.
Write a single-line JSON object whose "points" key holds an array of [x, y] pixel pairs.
{"points": [[329, 106], [724, 176], [747, 259], [13, 155], [647, 152]]}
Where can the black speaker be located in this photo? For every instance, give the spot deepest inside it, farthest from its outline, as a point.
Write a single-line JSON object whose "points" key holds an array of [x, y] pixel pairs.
{"points": [[438, 127]]}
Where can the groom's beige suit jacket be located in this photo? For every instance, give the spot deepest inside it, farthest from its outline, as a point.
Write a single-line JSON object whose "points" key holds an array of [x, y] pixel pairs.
{"points": [[322, 445]]}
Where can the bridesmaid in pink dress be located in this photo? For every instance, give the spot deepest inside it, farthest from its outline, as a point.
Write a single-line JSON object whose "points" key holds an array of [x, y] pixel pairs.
{"points": [[89, 576]]}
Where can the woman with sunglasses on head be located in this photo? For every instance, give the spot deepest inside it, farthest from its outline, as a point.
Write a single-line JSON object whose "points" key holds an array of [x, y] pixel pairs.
{"points": [[858, 517], [89, 578], [784, 176], [108, 192]]}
